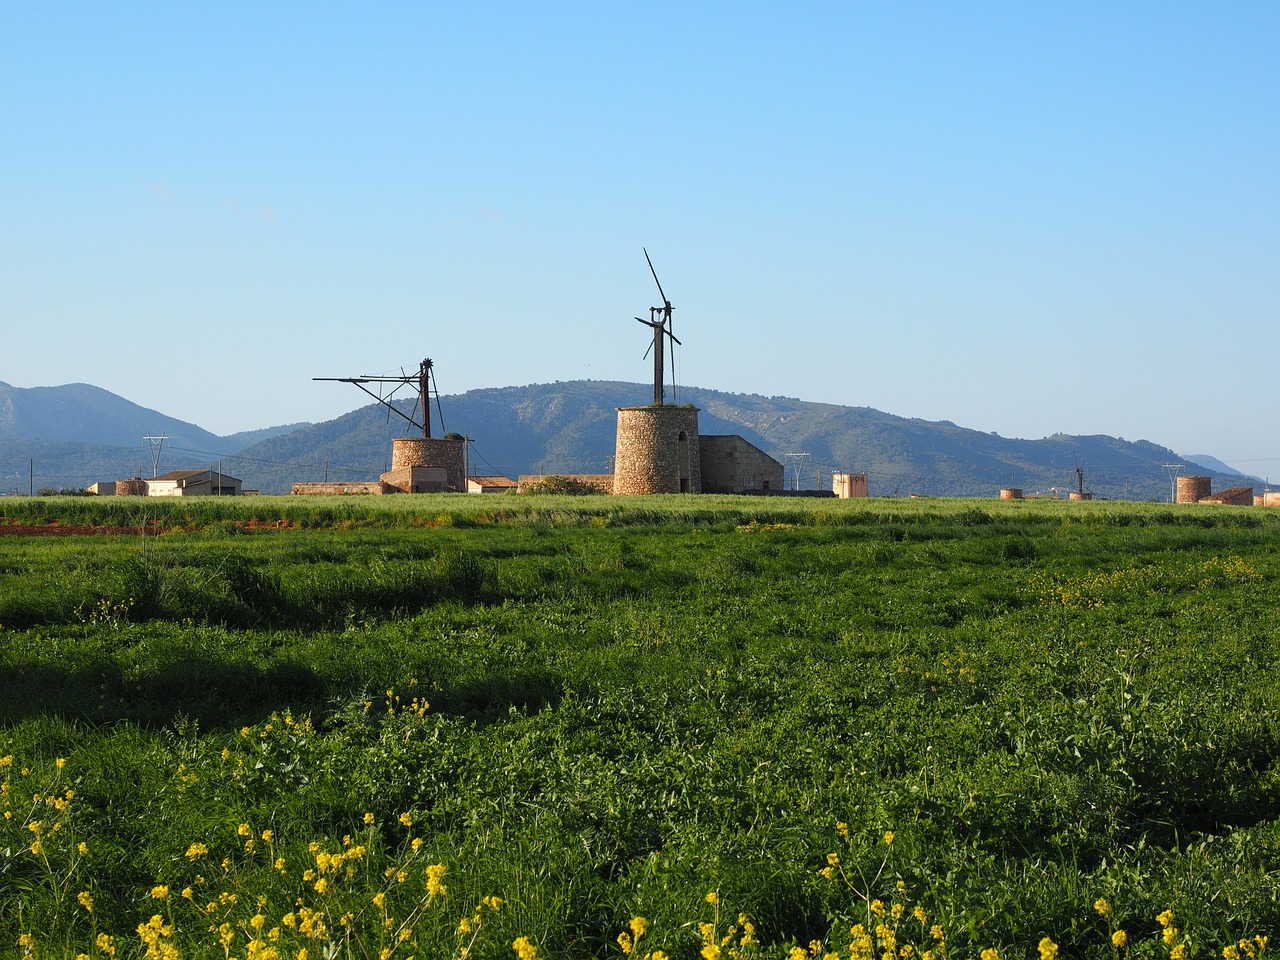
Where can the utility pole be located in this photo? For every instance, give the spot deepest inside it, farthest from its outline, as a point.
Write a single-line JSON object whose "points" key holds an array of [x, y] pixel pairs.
{"points": [[1173, 469], [795, 477], [157, 444]]}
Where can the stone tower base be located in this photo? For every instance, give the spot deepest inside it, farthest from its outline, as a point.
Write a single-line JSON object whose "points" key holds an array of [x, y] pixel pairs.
{"points": [[657, 450], [444, 458]]}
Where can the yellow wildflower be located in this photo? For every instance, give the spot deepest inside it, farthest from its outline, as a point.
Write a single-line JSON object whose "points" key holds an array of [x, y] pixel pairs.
{"points": [[435, 874], [1119, 938], [86, 900], [1048, 949]]}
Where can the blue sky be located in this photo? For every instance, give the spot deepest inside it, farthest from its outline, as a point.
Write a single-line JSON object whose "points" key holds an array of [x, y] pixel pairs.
{"points": [[1024, 218]]}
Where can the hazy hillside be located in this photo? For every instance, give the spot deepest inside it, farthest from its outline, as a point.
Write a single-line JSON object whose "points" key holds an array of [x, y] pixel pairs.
{"points": [[89, 414], [70, 436], [78, 411]]}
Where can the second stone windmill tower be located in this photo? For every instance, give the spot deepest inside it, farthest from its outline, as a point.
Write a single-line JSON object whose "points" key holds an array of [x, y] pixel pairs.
{"points": [[419, 464], [657, 447]]}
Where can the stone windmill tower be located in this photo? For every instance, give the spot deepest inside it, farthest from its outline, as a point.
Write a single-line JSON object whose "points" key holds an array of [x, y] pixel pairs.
{"points": [[419, 464], [657, 448]]}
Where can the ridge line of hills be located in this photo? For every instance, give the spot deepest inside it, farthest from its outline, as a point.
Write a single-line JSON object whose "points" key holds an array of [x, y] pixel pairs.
{"points": [[70, 436]]}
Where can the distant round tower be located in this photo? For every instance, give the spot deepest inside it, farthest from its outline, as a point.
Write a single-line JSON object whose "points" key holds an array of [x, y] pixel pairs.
{"points": [[1193, 489], [657, 450], [443, 453]]}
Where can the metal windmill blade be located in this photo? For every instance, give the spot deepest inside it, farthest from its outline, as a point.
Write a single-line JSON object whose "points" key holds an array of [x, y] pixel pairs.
{"points": [[666, 303], [668, 321], [650, 346]]}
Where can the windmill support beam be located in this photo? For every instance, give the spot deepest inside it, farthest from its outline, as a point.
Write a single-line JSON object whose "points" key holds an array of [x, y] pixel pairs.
{"points": [[425, 382]]}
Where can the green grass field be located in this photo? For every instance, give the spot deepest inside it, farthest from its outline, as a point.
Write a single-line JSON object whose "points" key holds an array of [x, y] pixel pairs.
{"points": [[446, 726]]}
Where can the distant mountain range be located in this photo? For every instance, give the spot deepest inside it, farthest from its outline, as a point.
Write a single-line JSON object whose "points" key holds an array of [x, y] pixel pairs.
{"points": [[70, 436]]}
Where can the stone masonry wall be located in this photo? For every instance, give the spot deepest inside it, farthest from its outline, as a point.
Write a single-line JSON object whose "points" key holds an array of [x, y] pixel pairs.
{"points": [[432, 452], [732, 464], [339, 488], [1193, 489], [651, 457]]}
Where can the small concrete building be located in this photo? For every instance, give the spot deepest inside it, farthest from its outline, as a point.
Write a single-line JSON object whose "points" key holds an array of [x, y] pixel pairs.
{"points": [[193, 483], [730, 464], [103, 488], [490, 485], [416, 479], [848, 486]]}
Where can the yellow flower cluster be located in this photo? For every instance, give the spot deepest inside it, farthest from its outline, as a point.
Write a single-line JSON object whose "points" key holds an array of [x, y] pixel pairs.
{"points": [[629, 940], [156, 937], [1097, 588], [736, 942], [361, 895], [1252, 949], [1172, 936]]}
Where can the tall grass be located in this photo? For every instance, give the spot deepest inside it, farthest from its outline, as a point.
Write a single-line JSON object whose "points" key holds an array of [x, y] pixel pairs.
{"points": [[615, 716]]}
